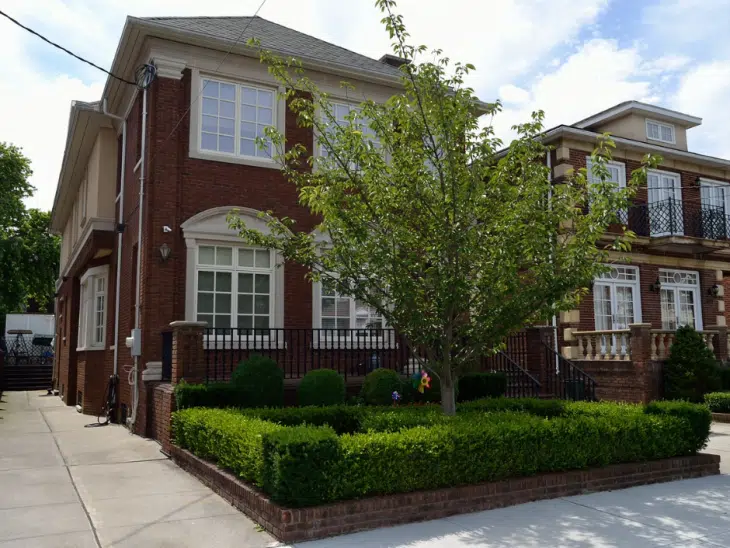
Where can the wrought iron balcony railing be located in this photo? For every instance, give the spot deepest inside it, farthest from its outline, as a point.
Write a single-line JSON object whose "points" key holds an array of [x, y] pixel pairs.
{"points": [[673, 217]]}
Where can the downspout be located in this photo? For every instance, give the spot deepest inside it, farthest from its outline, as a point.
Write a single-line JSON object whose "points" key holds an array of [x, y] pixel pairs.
{"points": [[119, 232], [550, 199]]}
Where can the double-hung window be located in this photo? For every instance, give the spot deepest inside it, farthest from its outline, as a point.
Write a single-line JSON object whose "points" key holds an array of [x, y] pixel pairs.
{"points": [[234, 115], [234, 287], [659, 131], [680, 299], [339, 113], [92, 309]]}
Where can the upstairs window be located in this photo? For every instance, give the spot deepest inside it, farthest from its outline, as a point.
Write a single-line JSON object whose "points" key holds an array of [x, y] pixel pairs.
{"points": [[658, 131], [233, 116], [339, 112]]}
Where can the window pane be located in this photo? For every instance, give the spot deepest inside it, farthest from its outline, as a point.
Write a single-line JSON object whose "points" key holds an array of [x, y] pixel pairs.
{"points": [[669, 314], [263, 258], [262, 304], [328, 307], [205, 281], [245, 322], [223, 282], [245, 257], [208, 141], [343, 307], [225, 126], [245, 283], [248, 147], [248, 95], [223, 303], [224, 256], [210, 106], [343, 323], [261, 322], [228, 92], [245, 304], [265, 116], [248, 113], [327, 289], [222, 321], [266, 98], [210, 124], [262, 283], [667, 133], [225, 144], [227, 109], [205, 303], [329, 323], [248, 130], [206, 318], [210, 88], [206, 254]]}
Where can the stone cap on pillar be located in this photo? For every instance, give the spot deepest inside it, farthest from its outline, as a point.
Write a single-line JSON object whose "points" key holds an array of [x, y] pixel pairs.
{"points": [[183, 323], [639, 325]]}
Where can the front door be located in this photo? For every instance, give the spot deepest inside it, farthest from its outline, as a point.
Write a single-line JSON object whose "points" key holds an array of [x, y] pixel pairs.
{"points": [[680, 299], [666, 215], [715, 208]]}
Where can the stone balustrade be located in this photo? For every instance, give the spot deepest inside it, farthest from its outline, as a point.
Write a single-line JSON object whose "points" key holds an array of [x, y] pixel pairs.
{"points": [[662, 340], [603, 345]]}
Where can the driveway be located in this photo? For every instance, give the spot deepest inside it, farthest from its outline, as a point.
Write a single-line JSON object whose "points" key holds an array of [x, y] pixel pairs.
{"points": [[65, 485]]}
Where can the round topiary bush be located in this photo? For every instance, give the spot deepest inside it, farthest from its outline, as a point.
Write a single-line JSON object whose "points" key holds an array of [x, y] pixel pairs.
{"points": [[260, 382], [691, 370], [321, 387], [379, 386]]}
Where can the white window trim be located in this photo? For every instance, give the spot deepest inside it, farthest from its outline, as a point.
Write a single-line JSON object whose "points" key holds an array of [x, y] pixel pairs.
{"points": [[636, 284], [660, 173], [87, 333], [334, 100], [695, 289], [196, 118], [660, 124], [619, 165]]}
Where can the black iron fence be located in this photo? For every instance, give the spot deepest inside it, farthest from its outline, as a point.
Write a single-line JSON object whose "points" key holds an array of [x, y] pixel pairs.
{"points": [[27, 349], [673, 217], [350, 352], [564, 380]]}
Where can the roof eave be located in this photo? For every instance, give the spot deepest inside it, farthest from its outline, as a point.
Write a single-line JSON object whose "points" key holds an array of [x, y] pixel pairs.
{"points": [[623, 109]]}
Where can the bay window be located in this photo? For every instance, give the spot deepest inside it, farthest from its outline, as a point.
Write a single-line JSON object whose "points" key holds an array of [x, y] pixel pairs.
{"points": [[92, 309]]}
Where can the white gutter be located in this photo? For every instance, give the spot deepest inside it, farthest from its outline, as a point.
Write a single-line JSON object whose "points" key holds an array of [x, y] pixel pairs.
{"points": [[120, 234], [550, 201]]}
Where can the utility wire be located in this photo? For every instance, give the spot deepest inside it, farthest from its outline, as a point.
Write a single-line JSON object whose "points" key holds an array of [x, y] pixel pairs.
{"points": [[197, 97], [71, 53]]}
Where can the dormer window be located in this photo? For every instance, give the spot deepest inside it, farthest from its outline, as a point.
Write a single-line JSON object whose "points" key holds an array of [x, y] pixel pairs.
{"points": [[659, 131]]}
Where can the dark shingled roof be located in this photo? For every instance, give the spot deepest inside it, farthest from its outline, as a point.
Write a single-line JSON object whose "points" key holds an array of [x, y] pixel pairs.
{"points": [[276, 38]]}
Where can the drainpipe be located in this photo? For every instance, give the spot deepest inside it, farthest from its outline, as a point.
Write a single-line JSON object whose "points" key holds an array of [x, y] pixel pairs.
{"points": [[550, 198], [120, 216]]}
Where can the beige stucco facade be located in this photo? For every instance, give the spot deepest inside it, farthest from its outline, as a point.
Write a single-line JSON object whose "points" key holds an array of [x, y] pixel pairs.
{"points": [[633, 126]]}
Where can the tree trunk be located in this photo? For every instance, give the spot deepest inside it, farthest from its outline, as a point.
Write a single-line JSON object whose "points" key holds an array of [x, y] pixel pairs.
{"points": [[448, 396]]}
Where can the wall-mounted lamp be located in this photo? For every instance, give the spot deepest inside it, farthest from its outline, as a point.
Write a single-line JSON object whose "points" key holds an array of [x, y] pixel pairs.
{"points": [[165, 252], [656, 286], [714, 291]]}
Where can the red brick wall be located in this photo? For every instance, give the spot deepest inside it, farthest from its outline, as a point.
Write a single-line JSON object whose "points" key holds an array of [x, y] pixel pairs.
{"points": [[621, 381], [161, 406], [66, 337]]}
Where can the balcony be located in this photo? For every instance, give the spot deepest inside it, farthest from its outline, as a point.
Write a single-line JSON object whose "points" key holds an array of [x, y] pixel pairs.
{"points": [[680, 225]]}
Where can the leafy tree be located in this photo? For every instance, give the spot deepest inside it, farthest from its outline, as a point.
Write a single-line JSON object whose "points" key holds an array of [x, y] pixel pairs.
{"points": [[455, 243], [691, 370], [29, 253]]}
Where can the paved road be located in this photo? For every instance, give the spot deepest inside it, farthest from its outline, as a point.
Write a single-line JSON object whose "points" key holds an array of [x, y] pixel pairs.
{"points": [[64, 485]]}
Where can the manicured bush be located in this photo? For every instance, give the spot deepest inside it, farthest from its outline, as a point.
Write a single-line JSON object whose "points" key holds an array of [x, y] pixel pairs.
{"points": [[476, 386], [533, 406], [260, 382], [298, 465], [393, 419], [343, 419], [718, 402], [321, 387], [698, 417], [379, 385], [691, 370], [226, 437], [217, 394], [724, 372]]}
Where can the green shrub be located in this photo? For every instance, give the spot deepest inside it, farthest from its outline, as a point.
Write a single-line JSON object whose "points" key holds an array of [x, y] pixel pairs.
{"points": [[718, 402], [298, 465], [226, 437], [260, 382], [379, 385], [217, 394], [343, 419], [533, 406], [601, 408], [691, 370], [393, 419], [698, 417], [321, 387], [724, 372], [476, 386]]}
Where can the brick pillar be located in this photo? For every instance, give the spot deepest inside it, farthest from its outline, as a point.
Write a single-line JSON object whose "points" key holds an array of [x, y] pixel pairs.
{"points": [[188, 356], [720, 342], [641, 360], [538, 356]]}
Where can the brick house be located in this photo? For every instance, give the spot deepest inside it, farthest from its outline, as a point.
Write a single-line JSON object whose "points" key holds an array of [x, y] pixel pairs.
{"points": [[148, 178]]}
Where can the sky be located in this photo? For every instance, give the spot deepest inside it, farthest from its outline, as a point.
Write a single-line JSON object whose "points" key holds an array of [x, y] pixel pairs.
{"points": [[570, 58]]}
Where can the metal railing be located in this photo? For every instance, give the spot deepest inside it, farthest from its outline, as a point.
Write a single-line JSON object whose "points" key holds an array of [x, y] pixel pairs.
{"points": [[567, 381], [350, 352], [672, 217], [20, 350]]}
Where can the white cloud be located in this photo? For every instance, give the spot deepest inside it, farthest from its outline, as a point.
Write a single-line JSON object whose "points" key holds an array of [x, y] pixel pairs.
{"points": [[512, 94], [688, 24]]}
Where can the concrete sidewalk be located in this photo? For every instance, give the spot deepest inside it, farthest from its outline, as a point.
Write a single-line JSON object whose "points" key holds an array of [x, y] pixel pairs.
{"points": [[65, 485]]}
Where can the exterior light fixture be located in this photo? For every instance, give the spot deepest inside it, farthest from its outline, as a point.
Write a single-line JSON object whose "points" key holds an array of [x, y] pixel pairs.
{"points": [[714, 291], [656, 286], [165, 252]]}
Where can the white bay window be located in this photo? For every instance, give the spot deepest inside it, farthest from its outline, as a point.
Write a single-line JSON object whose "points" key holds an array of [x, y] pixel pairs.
{"points": [[92, 309]]}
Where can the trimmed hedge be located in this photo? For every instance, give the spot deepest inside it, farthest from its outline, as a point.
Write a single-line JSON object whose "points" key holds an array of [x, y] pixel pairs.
{"points": [[698, 416], [321, 387], [718, 402], [227, 437], [691, 370], [394, 419], [533, 406], [260, 382], [343, 419], [379, 385], [476, 386], [218, 394]]}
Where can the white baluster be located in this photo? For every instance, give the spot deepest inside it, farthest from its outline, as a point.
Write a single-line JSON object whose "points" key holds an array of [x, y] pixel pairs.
{"points": [[590, 348], [653, 339], [581, 347]]}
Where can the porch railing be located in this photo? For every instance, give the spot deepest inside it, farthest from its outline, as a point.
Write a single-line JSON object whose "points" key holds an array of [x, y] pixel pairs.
{"points": [[603, 345], [350, 352], [568, 382], [662, 340]]}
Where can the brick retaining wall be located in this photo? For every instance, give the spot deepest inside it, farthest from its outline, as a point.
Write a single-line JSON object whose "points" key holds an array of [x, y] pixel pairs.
{"points": [[298, 524], [721, 417]]}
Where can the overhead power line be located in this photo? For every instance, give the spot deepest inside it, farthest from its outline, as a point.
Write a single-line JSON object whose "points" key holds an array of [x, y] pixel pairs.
{"points": [[71, 53]]}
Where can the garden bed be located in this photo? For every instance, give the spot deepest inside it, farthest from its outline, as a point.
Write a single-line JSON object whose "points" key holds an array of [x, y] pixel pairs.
{"points": [[312, 472]]}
